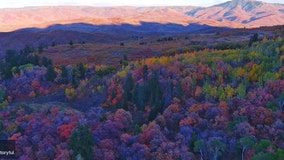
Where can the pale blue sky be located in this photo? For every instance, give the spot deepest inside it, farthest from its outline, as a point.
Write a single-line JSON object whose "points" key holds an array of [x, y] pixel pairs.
{"points": [[25, 3]]}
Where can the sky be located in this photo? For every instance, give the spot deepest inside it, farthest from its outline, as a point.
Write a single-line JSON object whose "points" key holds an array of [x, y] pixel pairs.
{"points": [[26, 3]]}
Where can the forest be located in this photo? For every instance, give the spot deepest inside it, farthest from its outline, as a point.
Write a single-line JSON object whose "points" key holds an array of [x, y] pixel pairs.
{"points": [[209, 104]]}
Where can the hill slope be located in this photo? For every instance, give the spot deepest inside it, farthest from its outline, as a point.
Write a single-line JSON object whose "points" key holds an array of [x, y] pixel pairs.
{"points": [[13, 19], [249, 13], [236, 13]]}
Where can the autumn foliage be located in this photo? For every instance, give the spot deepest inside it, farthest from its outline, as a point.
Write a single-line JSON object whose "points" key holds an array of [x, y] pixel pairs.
{"points": [[212, 104]]}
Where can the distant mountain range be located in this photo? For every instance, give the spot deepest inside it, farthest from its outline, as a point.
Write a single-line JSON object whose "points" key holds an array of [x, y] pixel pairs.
{"points": [[236, 13]]}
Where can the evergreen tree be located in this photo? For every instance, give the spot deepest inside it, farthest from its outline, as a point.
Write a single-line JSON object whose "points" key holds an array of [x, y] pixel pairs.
{"points": [[253, 39], [50, 73], [28, 49], [6, 71], [40, 49], [179, 91], [168, 93], [139, 96], [128, 89], [46, 61], [2, 95], [156, 96], [11, 57], [199, 146], [124, 61], [81, 70], [145, 72], [81, 142], [64, 74], [33, 59], [71, 43], [75, 75]]}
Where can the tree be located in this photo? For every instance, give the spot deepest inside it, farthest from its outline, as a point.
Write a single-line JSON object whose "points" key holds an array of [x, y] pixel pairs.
{"points": [[82, 70], [2, 95], [139, 96], [6, 71], [156, 96], [124, 61], [262, 145], [253, 39], [215, 146], [40, 48], [53, 44], [145, 72], [64, 74], [33, 59], [199, 146], [46, 61], [50, 73], [71, 43], [229, 91], [246, 142], [128, 89], [241, 90], [168, 93], [81, 142], [11, 58], [179, 91]]}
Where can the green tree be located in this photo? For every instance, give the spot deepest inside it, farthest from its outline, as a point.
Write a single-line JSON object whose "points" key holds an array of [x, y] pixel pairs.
{"points": [[206, 90], [145, 72], [33, 59], [81, 70], [71, 43], [40, 48], [53, 44], [128, 90], [139, 96], [278, 155], [81, 142], [241, 91], [46, 61], [215, 147], [11, 57], [253, 39], [246, 142], [179, 90], [199, 146], [262, 145], [6, 71], [156, 96], [64, 74], [124, 61], [2, 95], [50, 73], [221, 93]]}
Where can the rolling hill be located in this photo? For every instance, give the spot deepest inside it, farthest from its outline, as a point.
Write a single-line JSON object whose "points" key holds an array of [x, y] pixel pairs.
{"points": [[44, 25], [235, 13], [41, 17]]}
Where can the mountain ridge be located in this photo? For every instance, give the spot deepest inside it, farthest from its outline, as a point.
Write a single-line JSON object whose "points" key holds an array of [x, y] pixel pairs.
{"points": [[249, 13], [234, 14]]}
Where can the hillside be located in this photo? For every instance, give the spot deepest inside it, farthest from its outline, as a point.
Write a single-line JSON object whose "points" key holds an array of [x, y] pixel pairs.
{"points": [[193, 105], [41, 17], [142, 83], [236, 13], [248, 13]]}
